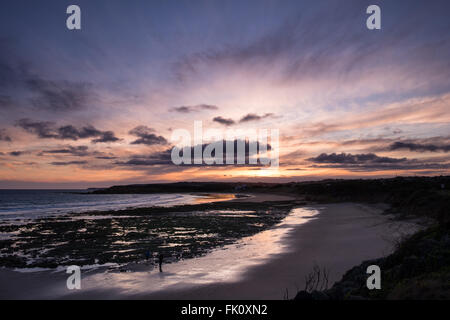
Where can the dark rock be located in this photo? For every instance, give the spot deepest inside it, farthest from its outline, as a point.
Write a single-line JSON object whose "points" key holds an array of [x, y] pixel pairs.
{"points": [[319, 295], [353, 297], [303, 295]]}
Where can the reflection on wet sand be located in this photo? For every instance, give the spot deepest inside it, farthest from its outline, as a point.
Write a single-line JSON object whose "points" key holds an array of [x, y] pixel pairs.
{"points": [[226, 264], [206, 197]]}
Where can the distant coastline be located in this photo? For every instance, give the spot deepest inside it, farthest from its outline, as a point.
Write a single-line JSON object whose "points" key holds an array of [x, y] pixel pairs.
{"points": [[407, 196]]}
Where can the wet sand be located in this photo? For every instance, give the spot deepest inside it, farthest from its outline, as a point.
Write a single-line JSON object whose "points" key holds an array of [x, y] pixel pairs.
{"points": [[342, 236], [262, 197], [244, 197], [339, 237]]}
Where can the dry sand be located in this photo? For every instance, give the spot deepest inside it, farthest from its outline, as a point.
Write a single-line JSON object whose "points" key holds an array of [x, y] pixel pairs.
{"points": [[342, 236]]}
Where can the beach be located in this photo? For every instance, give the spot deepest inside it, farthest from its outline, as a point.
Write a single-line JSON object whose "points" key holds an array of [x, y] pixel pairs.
{"points": [[332, 236], [342, 235]]}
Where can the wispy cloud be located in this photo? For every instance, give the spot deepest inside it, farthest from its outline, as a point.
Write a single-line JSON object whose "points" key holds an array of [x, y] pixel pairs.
{"points": [[4, 136], [5, 101], [416, 110], [79, 151], [68, 163], [20, 77], [372, 162], [417, 147], [60, 95]]}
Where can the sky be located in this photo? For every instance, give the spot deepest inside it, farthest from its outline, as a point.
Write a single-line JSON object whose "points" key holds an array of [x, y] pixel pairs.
{"points": [[97, 107]]}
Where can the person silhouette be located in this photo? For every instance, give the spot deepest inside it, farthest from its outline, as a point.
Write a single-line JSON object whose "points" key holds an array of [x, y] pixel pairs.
{"points": [[160, 260], [147, 255]]}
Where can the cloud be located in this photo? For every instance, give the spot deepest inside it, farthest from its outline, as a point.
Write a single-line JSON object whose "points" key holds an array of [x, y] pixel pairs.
{"points": [[371, 162], [303, 48], [76, 151], [157, 158], [411, 111], [164, 157], [4, 136], [146, 136], [43, 94], [408, 166], [17, 153], [73, 133], [59, 95], [46, 130], [221, 120], [247, 118], [10, 68], [263, 50], [411, 146], [43, 129], [348, 158], [106, 136], [196, 108], [141, 131], [5, 101], [80, 151], [68, 163], [254, 117]]}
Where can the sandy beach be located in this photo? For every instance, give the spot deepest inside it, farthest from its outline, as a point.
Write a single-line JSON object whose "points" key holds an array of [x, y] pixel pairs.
{"points": [[342, 236], [335, 236]]}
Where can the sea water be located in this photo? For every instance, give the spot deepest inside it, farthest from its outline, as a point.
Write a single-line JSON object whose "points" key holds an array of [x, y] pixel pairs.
{"points": [[30, 204]]}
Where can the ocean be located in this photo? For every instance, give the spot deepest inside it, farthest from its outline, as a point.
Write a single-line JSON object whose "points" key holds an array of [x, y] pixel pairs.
{"points": [[30, 204], [52, 228]]}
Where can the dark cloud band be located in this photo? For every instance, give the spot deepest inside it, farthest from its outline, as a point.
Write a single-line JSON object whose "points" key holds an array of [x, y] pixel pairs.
{"points": [[147, 136], [46, 130]]}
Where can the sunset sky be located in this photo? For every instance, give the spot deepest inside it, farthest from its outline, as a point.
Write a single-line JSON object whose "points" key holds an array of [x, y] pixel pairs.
{"points": [[96, 107]]}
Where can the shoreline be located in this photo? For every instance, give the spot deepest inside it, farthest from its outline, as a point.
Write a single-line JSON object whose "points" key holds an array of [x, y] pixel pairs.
{"points": [[341, 236]]}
